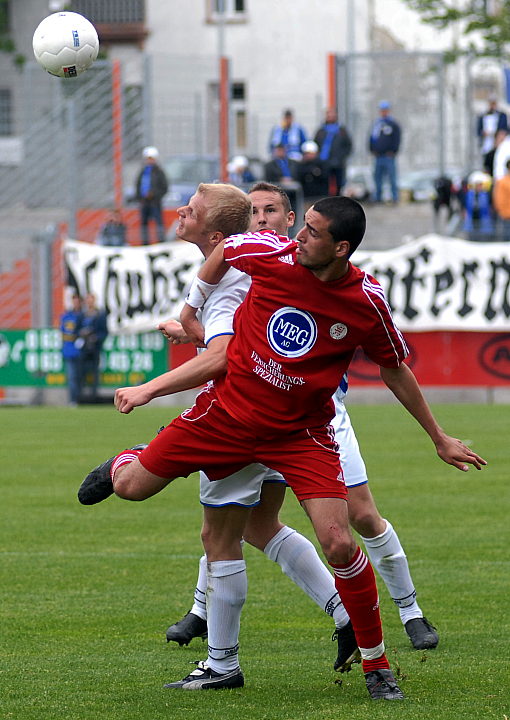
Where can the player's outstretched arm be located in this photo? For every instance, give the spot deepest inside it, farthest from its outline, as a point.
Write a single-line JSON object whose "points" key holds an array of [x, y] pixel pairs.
{"points": [[403, 384], [198, 370]]}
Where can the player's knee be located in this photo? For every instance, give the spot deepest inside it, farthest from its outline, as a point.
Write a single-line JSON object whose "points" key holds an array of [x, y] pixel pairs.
{"points": [[338, 548], [366, 520], [125, 488]]}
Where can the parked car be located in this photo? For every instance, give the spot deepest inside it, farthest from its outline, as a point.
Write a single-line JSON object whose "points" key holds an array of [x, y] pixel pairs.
{"points": [[185, 173]]}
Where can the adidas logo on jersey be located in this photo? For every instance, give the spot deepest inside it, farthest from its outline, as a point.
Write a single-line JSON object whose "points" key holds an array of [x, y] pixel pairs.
{"points": [[286, 259]]}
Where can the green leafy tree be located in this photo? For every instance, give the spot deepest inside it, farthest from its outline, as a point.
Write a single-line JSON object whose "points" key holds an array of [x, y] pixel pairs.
{"points": [[484, 24], [6, 42]]}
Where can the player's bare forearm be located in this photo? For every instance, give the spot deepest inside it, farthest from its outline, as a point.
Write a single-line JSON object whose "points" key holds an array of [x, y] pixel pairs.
{"points": [[215, 266], [192, 327], [195, 372], [403, 384]]}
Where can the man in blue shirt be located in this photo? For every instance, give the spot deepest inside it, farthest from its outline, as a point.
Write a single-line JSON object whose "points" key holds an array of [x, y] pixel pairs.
{"points": [[151, 185], [290, 134], [70, 326], [384, 145]]}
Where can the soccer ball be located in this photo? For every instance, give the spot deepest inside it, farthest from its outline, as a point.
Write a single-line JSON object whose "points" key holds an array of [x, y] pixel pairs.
{"points": [[65, 44]]}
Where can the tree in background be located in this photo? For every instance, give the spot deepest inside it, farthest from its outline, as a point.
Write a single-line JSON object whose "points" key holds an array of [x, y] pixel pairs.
{"points": [[6, 42], [485, 24]]}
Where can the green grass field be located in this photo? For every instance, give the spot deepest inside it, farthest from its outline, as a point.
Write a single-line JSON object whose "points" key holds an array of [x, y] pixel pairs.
{"points": [[87, 593]]}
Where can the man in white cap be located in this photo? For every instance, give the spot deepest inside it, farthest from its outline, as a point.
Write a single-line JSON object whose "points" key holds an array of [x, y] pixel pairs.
{"points": [[151, 185], [239, 172]]}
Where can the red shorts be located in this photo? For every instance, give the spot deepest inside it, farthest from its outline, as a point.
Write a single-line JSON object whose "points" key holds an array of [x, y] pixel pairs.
{"points": [[207, 438]]}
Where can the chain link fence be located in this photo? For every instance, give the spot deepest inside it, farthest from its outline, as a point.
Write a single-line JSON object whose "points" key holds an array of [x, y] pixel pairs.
{"points": [[428, 100], [66, 169]]}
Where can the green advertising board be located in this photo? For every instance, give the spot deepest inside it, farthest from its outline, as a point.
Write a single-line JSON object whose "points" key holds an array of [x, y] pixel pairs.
{"points": [[34, 358]]}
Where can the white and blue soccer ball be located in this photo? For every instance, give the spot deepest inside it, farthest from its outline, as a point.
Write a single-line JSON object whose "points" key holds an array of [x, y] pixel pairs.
{"points": [[65, 44]]}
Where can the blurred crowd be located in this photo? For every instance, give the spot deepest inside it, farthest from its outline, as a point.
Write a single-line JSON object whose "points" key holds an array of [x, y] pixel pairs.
{"points": [[309, 167]]}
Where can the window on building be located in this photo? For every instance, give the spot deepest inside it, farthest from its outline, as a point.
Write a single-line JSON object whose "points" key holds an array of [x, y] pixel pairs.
{"points": [[237, 91], [233, 10], [115, 20], [4, 17], [5, 112], [113, 11]]}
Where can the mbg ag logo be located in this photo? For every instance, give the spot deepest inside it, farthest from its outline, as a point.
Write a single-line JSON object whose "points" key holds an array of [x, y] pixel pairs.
{"points": [[291, 332]]}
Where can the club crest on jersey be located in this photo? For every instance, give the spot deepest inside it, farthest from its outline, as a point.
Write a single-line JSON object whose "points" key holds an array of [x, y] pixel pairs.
{"points": [[338, 331], [291, 332]]}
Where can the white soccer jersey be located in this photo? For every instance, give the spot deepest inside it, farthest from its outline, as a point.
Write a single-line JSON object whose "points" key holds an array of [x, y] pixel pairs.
{"points": [[217, 315]]}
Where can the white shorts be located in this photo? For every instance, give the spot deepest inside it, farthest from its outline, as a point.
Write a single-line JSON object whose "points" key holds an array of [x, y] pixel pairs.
{"points": [[244, 487], [240, 488]]}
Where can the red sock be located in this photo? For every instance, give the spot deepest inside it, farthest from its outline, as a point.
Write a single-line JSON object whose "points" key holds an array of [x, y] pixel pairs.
{"points": [[356, 586], [123, 458]]}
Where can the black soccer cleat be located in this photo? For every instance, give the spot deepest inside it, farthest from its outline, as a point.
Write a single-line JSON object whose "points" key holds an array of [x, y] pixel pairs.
{"points": [[185, 630], [422, 634], [348, 651], [203, 678], [381, 685], [98, 485]]}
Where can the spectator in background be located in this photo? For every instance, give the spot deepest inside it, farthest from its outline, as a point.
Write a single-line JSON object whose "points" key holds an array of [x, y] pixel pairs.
{"points": [[290, 134], [478, 222], [501, 203], [151, 185], [113, 232], [501, 155], [335, 146], [239, 172], [384, 145], [93, 333], [70, 326], [281, 170], [488, 125], [489, 158], [312, 173]]}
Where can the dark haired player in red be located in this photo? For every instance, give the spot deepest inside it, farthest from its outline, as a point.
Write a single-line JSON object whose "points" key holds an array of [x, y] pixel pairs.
{"points": [[307, 311]]}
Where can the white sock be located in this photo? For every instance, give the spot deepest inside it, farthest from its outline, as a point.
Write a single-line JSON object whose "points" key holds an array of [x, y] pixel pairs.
{"points": [[299, 560], [226, 592], [389, 559], [199, 607]]}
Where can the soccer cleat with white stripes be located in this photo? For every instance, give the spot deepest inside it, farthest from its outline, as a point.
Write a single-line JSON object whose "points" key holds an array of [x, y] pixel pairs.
{"points": [[98, 485], [204, 678]]}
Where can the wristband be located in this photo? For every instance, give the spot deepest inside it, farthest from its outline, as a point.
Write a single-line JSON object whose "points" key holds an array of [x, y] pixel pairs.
{"points": [[199, 292]]}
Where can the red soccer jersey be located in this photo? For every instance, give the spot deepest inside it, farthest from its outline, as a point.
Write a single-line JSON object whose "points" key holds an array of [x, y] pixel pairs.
{"points": [[295, 336]]}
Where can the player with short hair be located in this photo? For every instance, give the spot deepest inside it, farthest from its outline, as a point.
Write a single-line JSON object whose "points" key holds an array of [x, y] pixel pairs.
{"points": [[272, 210], [253, 487], [273, 406]]}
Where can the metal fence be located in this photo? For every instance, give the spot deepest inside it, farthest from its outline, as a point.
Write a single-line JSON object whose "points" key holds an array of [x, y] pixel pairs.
{"points": [[428, 99], [67, 156], [67, 129]]}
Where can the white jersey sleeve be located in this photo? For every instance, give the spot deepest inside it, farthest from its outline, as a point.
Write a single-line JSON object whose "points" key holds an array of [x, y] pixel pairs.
{"points": [[217, 315]]}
